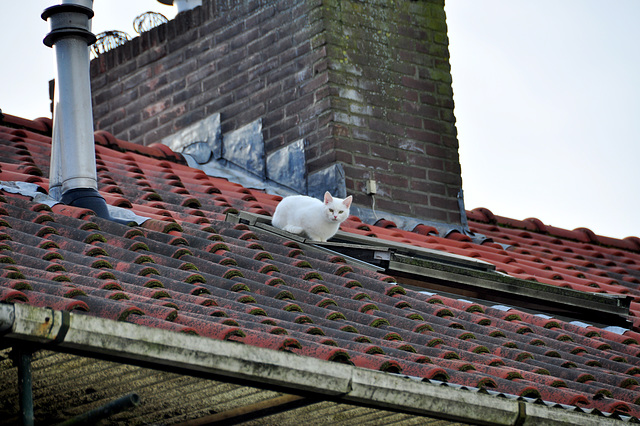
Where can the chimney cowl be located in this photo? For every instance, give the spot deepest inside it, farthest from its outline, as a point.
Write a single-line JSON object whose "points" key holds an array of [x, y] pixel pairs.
{"points": [[182, 5], [68, 20]]}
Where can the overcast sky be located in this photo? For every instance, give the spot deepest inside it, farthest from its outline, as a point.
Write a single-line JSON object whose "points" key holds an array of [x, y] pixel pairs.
{"points": [[546, 92], [547, 103]]}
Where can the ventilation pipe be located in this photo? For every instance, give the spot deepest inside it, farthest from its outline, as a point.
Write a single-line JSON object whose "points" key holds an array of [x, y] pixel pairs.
{"points": [[182, 5], [73, 177]]}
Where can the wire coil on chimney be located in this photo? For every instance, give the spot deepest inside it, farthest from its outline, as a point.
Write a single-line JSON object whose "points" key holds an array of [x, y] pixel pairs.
{"points": [[147, 21], [108, 40]]}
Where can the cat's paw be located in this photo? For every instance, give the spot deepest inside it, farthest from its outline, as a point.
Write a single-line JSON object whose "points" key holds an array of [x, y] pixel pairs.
{"points": [[317, 239], [294, 229]]}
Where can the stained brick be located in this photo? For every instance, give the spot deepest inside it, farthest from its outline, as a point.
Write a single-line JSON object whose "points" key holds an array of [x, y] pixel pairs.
{"points": [[444, 177], [352, 146], [260, 17], [321, 162], [404, 119], [380, 102], [176, 43], [228, 33], [317, 111], [344, 157], [262, 43], [186, 95], [231, 58], [252, 113], [369, 135], [280, 127], [428, 187], [242, 40], [443, 203], [410, 146], [388, 153], [232, 84], [391, 205], [427, 212], [392, 180], [409, 171], [386, 127], [376, 163], [300, 131], [152, 85], [316, 82]]}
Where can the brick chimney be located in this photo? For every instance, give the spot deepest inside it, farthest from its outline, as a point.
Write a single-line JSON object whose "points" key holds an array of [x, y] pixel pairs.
{"points": [[354, 91]]}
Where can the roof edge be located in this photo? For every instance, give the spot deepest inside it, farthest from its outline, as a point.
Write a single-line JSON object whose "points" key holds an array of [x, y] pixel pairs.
{"points": [[260, 367], [583, 235]]}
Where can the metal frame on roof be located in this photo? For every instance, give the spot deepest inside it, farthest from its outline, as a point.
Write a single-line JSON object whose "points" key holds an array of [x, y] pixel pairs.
{"points": [[438, 270]]}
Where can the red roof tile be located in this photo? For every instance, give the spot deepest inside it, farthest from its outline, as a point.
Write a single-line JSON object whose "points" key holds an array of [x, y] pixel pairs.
{"points": [[189, 271]]}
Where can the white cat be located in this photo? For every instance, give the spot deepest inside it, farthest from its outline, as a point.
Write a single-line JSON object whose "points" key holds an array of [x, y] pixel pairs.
{"points": [[320, 221]]}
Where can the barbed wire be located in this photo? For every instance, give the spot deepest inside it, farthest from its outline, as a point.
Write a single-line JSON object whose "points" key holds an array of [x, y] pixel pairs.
{"points": [[147, 21], [108, 40]]}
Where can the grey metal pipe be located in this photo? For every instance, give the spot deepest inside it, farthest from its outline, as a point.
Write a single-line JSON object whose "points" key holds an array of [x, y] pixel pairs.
{"points": [[73, 163], [73, 177], [92, 417]]}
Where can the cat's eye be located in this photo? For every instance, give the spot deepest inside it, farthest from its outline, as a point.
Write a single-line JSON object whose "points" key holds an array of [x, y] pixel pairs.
{"points": [[331, 210], [341, 211]]}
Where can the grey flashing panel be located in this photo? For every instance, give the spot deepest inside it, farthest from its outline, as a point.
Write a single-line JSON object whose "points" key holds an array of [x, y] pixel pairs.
{"points": [[287, 166], [612, 309], [199, 151], [342, 238], [205, 133], [330, 179], [244, 147]]}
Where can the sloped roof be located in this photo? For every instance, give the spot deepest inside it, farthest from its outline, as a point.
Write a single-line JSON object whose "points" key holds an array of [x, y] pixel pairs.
{"points": [[189, 270]]}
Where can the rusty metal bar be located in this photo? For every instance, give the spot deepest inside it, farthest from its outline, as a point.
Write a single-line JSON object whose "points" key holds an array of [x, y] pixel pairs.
{"points": [[22, 357], [117, 405]]}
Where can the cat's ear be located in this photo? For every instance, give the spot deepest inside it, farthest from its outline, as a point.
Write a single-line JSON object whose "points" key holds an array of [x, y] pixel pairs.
{"points": [[327, 198], [347, 201]]}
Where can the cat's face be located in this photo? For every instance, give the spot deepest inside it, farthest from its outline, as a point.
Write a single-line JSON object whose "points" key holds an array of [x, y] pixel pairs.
{"points": [[336, 209]]}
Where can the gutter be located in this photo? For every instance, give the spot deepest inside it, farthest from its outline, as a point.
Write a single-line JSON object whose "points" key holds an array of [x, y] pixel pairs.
{"points": [[264, 368]]}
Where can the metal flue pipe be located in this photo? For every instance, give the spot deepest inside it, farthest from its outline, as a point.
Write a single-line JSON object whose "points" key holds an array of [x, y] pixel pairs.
{"points": [[73, 177], [114, 407], [182, 5]]}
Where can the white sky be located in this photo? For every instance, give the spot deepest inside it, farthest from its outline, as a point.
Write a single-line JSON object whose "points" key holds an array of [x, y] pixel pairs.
{"points": [[547, 103], [546, 91]]}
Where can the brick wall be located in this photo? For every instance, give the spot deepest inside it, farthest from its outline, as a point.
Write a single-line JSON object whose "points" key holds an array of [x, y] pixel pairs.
{"points": [[365, 84], [393, 104]]}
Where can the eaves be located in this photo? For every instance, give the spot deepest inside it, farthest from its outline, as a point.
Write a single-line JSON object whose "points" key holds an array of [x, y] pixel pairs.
{"points": [[268, 369]]}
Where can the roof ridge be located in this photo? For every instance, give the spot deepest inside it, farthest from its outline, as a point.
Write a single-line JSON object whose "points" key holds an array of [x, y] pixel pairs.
{"points": [[44, 126], [581, 234]]}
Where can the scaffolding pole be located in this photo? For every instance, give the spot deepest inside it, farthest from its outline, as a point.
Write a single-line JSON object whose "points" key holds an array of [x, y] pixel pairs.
{"points": [[22, 357]]}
